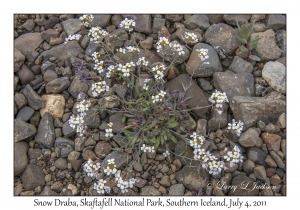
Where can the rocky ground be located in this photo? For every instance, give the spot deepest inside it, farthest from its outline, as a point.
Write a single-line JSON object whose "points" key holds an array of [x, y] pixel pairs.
{"points": [[48, 154]]}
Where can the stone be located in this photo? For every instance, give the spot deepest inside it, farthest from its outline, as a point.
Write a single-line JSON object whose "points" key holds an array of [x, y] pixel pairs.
{"points": [[120, 90], [20, 100], [252, 109], [23, 130], [120, 140], [76, 164], [275, 180], [54, 104], [31, 56], [112, 101], [71, 26], [28, 42], [102, 149], [35, 119], [61, 163], [118, 125], [249, 138], [150, 191], [201, 127], [140, 182], [100, 20], [77, 86], [116, 20], [191, 177], [248, 166], [88, 154], [257, 17], [168, 54], [196, 66], [34, 100], [276, 22], [121, 159], [91, 48], [260, 173], [270, 162], [176, 190], [50, 75], [215, 18], [197, 21], [92, 118], [173, 17], [266, 48], [277, 159], [240, 65], [157, 24], [63, 51], [256, 155], [234, 19], [67, 130], [182, 150], [20, 157], [138, 167], [275, 74], [194, 94], [25, 113], [50, 34], [51, 22], [234, 84], [222, 35], [47, 65], [165, 181], [32, 177], [259, 27], [29, 25], [180, 33], [25, 75], [19, 59], [57, 85], [272, 141], [240, 191], [281, 42], [142, 22], [218, 120], [281, 122], [46, 135], [116, 39]]}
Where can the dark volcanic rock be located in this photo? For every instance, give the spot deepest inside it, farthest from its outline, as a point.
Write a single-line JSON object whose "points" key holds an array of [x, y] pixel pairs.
{"points": [[34, 100], [20, 157], [241, 181], [23, 130], [32, 177], [46, 135]]}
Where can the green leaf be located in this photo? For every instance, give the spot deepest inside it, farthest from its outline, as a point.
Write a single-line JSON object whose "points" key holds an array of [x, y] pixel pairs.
{"points": [[152, 140], [133, 141], [244, 50], [124, 119], [254, 57], [157, 142], [253, 43], [127, 132], [241, 34], [172, 124], [243, 40], [174, 139]]}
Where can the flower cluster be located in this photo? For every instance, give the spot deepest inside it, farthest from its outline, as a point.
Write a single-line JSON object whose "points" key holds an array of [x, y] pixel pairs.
{"points": [[197, 140], [162, 42], [190, 37], [128, 24], [96, 57], [108, 130], [111, 167], [99, 88], [72, 37], [76, 120], [99, 66], [166, 153], [142, 61], [86, 19], [91, 169], [237, 126], [132, 49], [146, 86], [234, 156], [97, 33], [126, 69], [218, 98], [122, 184], [150, 149], [101, 188], [158, 71], [177, 48], [203, 54], [159, 97]]}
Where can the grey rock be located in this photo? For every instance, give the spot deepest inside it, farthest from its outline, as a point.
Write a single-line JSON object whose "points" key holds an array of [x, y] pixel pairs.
{"points": [[183, 150], [248, 166], [51, 22], [77, 86], [138, 167], [176, 190], [121, 159], [248, 138], [67, 130], [118, 125], [121, 90], [194, 94], [19, 59], [215, 18], [259, 27], [63, 51], [157, 24], [120, 140], [180, 33], [174, 17], [256, 155], [79, 144], [50, 75], [32, 177], [46, 135], [168, 54], [91, 48], [31, 55], [150, 191], [25, 113], [92, 119], [29, 25], [71, 26], [47, 66], [240, 191], [223, 36], [234, 19], [116, 20], [276, 22], [88, 154], [260, 173], [197, 21], [218, 120], [257, 17], [50, 34], [20, 157], [102, 149], [275, 74], [20, 100], [140, 182], [165, 181], [239, 84], [101, 20], [35, 118], [259, 89], [57, 187], [116, 38], [281, 122], [197, 67], [112, 101], [23, 130], [266, 48], [85, 41], [142, 22], [191, 177], [281, 41], [25, 75], [266, 109], [147, 43], [34, 100], [201, 127], [270, 162], [28, 42], [240, 65], [61, 163], [277, 159], [272, 128], [58, 85], [204, 84]]}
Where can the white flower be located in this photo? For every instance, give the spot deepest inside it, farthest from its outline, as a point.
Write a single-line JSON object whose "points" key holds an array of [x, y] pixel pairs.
{"points": [[128, 24], [159, 97], [132, 49], [237, 126], [97, 33], [121, 50], [91, 169], [111, 161], [142, 61], [109, 133], [86, 19], [166, 153], [190, 37], [218, 98], [144, 148], [99, 88], [110, 125], [151, 149], [203, 54]]}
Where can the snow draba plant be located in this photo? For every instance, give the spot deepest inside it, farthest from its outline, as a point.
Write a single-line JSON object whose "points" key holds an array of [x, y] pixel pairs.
{"points": [[152, 114]]}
